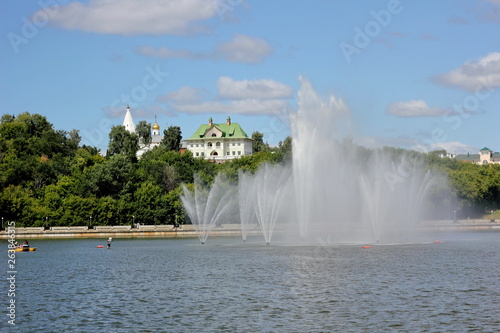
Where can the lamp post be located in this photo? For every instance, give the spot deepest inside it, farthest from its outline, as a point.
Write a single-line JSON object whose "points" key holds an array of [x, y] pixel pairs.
{"points": [[454, 216], [90, 221], [46, 222], [133, 221], [2, 222]]}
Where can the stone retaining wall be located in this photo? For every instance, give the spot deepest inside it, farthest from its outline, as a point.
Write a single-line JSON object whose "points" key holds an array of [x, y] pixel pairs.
{"points": [[187, 230]]}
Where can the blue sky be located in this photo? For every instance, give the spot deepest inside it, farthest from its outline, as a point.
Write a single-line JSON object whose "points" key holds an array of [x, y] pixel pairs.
{"points": [[414, 74]]}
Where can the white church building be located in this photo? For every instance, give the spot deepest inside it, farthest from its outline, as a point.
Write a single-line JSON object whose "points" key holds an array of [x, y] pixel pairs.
{"points": [[156, 137]]}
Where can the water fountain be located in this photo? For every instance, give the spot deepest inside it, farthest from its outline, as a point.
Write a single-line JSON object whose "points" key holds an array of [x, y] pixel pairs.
{"points": [[271, 183], [246, 196], [345, 191], [394, 194], [341, 191], [209, 206]]}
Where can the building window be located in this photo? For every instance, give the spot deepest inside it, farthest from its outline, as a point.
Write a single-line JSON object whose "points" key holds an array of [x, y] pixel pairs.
{"points": [[239, 143], [217, 145], [192, 145], [234, 153], [233, 144], [239, 152], [228, 153], [197, 154], [209, 145], [214, 135], [197, 145], [202, 154]]}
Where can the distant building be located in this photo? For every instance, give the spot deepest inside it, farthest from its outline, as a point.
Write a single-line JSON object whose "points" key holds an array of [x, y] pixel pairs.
{"points": [[219, 142], [485, 156], [156, 137]]}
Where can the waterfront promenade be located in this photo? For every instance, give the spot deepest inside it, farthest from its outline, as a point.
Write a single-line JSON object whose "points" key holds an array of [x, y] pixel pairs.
{"points": [[188, 230], [123, 231]]}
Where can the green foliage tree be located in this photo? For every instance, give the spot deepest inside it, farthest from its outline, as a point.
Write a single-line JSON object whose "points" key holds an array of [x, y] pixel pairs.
{"points": [[143, 130], [258, 144], [122, 142], [285, 146], [172, 137]]}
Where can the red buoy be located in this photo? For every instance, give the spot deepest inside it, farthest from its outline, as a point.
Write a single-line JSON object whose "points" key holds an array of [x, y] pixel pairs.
{"points": [[437, 242], [366, 247], [100, 246]]}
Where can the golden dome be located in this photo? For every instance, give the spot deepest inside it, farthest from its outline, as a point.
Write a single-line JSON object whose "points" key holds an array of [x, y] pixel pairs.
{"points": [[156, 126]]}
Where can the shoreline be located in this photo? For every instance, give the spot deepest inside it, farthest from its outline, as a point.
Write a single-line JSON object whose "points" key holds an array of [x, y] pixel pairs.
{"points": [[189, 231], [121, 231]]}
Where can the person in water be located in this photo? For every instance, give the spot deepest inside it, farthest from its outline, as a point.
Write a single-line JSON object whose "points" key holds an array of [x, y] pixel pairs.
{"points": [[109, 242], [26, 244]]}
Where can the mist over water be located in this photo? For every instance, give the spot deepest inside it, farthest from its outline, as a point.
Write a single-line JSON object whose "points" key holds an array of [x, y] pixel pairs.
{"points": [[333, 190], [209, 206], [265, 195]]}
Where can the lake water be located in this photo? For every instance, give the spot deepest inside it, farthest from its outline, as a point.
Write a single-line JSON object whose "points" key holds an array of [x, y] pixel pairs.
{"points": [[178, 285]]}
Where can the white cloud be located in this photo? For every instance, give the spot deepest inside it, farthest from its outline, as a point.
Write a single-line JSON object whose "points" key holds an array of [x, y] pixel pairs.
{"points": [[414, 108], [257, 97], [242, 48], [245, 107], [450, 147], [414, 144], [131, 17], [185, 95], [258, 89], [477, 75]]}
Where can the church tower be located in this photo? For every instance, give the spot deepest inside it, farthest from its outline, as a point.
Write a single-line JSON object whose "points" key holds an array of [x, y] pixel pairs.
{"points": [[156, 128], [128, 122]]}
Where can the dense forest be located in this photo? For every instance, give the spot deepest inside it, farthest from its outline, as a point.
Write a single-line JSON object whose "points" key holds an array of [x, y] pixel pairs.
{"points": [[47, 178]]}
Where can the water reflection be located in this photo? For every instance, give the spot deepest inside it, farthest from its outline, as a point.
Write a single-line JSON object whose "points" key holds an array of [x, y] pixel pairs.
{"points": [[176, 285]]}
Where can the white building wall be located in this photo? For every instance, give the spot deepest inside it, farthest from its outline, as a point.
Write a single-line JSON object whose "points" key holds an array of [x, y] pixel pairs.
{"points": [[226, 150]]}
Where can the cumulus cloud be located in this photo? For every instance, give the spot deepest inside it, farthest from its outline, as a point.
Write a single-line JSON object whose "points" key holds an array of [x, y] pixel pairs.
{"points": [[245, 107], [184, 95], [450, 147], [131, 17], [258, 89], [257, 97], [243, 48], [481, 74], [412, 143], [414, 108]]}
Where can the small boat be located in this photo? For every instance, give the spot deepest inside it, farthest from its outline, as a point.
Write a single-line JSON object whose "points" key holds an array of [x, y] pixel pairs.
{"points": [[24, 249]]}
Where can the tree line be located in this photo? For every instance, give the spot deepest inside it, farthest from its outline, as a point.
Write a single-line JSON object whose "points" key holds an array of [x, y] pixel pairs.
{"points": [[47, 178]]}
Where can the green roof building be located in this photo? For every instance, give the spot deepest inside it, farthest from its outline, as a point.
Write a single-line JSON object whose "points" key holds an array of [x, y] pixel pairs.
{"points": [[219, 142], [485, 156]]}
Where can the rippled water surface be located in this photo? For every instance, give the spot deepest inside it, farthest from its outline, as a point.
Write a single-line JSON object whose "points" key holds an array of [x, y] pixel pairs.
{"points": [[168, 285]]}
